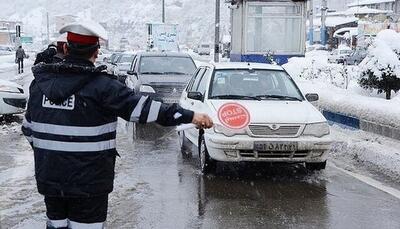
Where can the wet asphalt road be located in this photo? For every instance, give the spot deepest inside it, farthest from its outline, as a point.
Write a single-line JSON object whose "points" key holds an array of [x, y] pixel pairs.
{"points": [[155, 187], [172, 193]]}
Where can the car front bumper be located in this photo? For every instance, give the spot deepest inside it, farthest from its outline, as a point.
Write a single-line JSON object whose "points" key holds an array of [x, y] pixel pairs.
{"points": [[241, 148], [14, 104]]}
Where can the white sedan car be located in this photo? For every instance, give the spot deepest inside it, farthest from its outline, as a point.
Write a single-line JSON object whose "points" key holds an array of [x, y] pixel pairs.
{"points": [[12, 98], [260, 115]]}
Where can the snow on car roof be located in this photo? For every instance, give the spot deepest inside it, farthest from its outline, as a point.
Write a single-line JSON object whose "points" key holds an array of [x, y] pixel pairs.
{"points": [[176, 54], [367, 2], [244, 65]]}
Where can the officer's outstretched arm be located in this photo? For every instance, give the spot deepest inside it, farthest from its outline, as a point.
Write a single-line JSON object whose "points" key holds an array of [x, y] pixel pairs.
{"points": [[124, 103]]}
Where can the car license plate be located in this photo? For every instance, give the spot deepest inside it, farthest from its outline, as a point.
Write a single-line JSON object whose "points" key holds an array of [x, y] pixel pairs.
{"points": [[170, 100], [276, 146]]}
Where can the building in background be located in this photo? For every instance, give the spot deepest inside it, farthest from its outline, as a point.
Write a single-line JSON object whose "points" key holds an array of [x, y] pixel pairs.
{"points": [[7, 32], [392, 5]]}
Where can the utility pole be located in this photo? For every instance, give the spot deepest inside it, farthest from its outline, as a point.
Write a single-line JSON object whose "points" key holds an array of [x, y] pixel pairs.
{"points": [[324, 8], [311, 24], [163, 11], [48, 28], [217, 26]]}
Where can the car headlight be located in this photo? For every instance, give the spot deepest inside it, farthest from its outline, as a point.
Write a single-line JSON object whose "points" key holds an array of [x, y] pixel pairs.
{"points": [[146, 89], [317, 129], [227, 131], [4, 88]]}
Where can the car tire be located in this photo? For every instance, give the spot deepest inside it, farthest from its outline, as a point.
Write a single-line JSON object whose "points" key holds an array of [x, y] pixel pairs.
{"points": [[207, 164], [184, 144], [316, 166]]}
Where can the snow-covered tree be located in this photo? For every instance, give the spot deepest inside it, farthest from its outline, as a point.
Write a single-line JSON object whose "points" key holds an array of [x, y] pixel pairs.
{"points": [[381, 68]]}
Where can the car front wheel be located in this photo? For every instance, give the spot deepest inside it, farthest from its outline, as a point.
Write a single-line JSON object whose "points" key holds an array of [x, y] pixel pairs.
{"points": [[207, 164], [316, 166]]}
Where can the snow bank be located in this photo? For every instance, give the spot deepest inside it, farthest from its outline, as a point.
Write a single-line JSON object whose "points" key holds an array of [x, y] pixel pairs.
{"points": [[7, 62], [348, 102], [370, 151], [354, 101]]}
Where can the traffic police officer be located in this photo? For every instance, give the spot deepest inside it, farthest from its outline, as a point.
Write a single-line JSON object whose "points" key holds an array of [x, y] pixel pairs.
{"points": [[71, 124]]}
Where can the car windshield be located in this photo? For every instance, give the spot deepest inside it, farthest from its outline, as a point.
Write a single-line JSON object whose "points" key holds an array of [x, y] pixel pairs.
{"points": [[205, 46], [114, 58], [167, 65], [126, 59], [253, 84]]}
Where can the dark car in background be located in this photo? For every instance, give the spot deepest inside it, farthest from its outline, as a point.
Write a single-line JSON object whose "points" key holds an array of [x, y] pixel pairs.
{"points": [[161, 75], [356, 57], [123, 63]]}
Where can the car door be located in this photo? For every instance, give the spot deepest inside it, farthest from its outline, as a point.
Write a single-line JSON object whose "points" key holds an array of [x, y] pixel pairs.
{"points": [[184, 102], [200, 85], [191, 104]]}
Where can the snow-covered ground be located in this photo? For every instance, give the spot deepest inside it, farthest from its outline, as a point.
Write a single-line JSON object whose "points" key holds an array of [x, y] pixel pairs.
{"points": [[356, 150], [329, 84]]}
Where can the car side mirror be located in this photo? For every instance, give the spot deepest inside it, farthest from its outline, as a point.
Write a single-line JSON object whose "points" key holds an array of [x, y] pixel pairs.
{"points": [[132, 73], [312, 97], [195, 95]]}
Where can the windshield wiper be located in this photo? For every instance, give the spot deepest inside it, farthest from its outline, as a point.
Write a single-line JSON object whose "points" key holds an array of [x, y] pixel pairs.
{"points": [[235, 97], [152, 73], [174, 73], [281, 97]]}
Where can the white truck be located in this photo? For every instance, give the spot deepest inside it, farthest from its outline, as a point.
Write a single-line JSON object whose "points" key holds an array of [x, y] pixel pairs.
{"points": [[162, 37]]}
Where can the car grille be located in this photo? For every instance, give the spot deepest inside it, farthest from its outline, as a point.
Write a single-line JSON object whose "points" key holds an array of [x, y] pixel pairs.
{"points": [[272, 154], [168, 90], [20, 103], [265, 130]]}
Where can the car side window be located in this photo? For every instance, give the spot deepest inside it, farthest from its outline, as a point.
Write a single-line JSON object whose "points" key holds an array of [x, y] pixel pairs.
{"points": [[197, 79], [190, 84], [202, 87], [133, 64]]}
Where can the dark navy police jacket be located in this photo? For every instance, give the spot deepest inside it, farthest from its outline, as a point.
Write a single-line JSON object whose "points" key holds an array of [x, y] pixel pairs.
{"points": [[71, 123]]}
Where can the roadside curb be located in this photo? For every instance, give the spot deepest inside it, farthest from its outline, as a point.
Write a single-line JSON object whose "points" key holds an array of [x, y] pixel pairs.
{"points": [[357, 123]]}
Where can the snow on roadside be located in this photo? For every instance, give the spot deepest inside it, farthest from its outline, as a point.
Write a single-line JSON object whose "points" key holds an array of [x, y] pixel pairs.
{"points": [[348, 102], [353, 149], [6, 129], [7, 62], [354, 101]]}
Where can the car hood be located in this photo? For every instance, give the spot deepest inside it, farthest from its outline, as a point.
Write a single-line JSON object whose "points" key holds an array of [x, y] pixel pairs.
{"points": [[167, 79], [268, 111]]}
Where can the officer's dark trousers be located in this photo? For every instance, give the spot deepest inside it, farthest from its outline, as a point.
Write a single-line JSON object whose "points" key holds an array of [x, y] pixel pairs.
{"points": [[76, 213], [20, 65]]}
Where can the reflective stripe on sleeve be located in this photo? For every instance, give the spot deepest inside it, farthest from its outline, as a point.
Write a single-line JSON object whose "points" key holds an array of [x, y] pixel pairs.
{"points": [[75, 225], [154, 110], [57, 223], [73, 130], [74, 146], [138, 109]]}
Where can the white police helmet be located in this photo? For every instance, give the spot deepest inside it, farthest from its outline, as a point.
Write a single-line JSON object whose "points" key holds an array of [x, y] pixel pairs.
{"points": [[84, 32]]}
